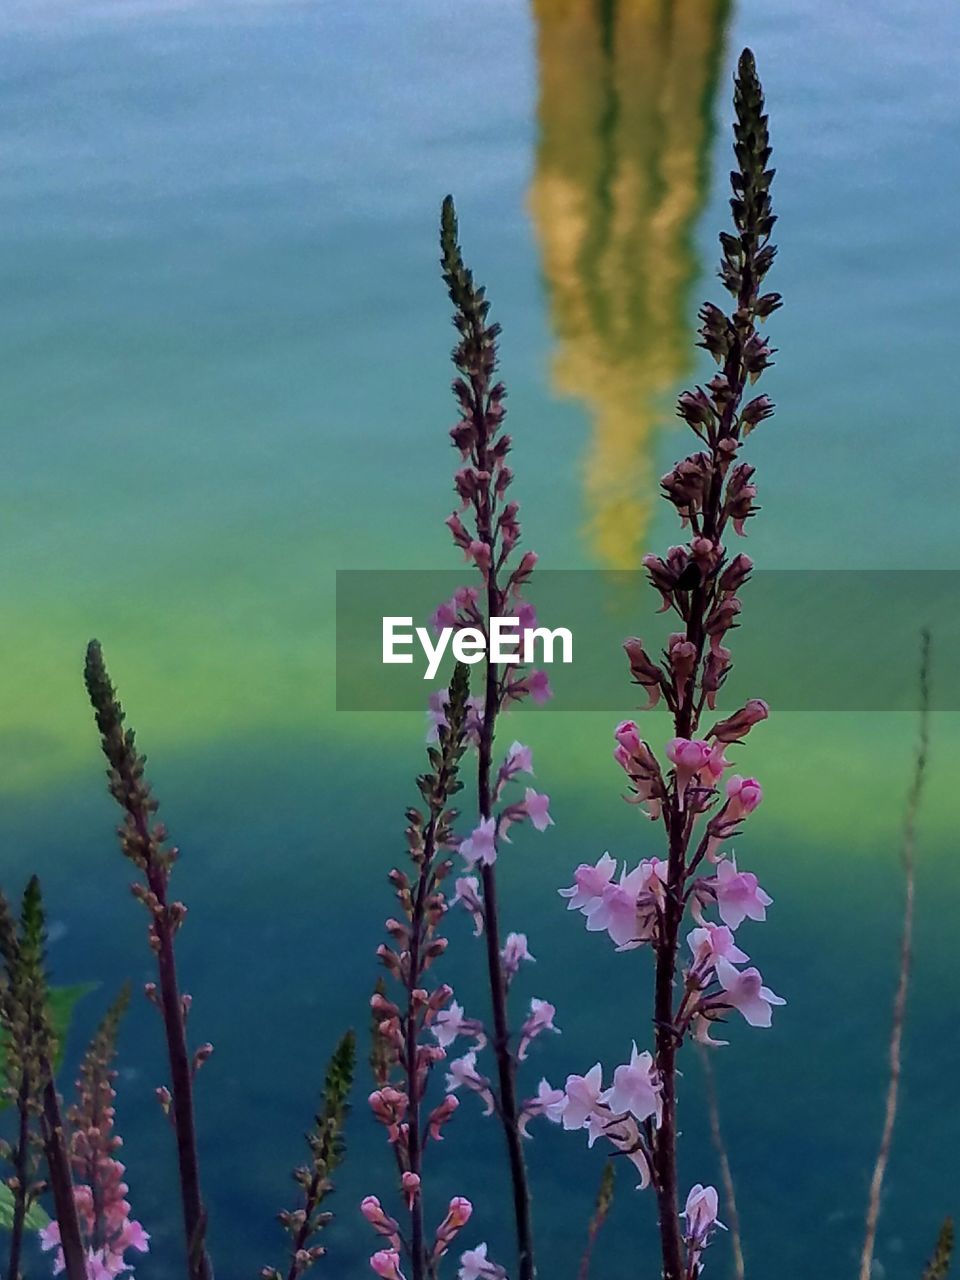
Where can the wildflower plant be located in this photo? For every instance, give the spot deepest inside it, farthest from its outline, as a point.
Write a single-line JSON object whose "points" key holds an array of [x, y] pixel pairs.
{"points": [[326, 1145], [699, 979], [688, 903], [144, 841], [30, 1051], [486, 528], [412, 1031]]}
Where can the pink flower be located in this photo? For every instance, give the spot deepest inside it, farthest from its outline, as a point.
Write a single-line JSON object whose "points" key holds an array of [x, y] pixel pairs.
{"points": [[583, 1094], [481, 844], [639, 763], [463, 1074], [739, 895], [450, 1023], [467, 893], [689, 756], [440, 1115], [548, 1102], [459, 1212], [479, 553], [700, 1215], [628, 736], [519, 759], [737, 726], [381, 1222], [744, 990], [386, 1263], [538, 686], [540, 1018], [743, 796], [410, 1183], [474, 1265], [589, 883], [636, 1088], [514, 952], [449, 614], [627, 910], [538, 809], [711, 943], [133, 1236], [50, 1237]]}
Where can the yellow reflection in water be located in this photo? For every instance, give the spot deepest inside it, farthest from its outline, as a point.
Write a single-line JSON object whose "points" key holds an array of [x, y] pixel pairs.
{"points": [[625, 113]]}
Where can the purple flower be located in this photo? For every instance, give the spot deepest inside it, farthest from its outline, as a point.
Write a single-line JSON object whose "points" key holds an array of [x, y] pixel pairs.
{"points": [[744, 990]]}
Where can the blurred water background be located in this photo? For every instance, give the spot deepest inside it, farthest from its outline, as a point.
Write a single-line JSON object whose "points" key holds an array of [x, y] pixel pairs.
{"points": [[224, 349]]}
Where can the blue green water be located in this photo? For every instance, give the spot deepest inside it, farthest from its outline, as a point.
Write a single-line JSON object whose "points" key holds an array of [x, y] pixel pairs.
{"points": [[225, 376]]}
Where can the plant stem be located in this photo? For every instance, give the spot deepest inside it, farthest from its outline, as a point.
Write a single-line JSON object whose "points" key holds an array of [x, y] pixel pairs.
{"points": [[61, 1182], [142, 843], [665, 1149], [506, 1065], [181, 1088], [895, 1052], [414, 1139], [20, 1164], [726, 1173]]}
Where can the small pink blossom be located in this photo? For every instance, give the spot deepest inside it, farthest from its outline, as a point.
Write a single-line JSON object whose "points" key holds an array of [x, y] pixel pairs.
{"points": [[711, 943], [410, 1184], [589, 883], [743, 796], [481, 844], [639, 763], [744, 990], [538, 809], [475, 1265], [519, 759], [739, 895], [459, 1212], [381, 1222], [441, 1114], [690, 757], [515, 951], [636, 1088], [583, 1095], [628, 736], [462, 606], [539, 1019], [538, 686], [463, 1073], [700, 1215], [479, 553], [627, 910], [386, 1263], [467, 893], [548, 1102], [450, 1023], [50, 1236]]}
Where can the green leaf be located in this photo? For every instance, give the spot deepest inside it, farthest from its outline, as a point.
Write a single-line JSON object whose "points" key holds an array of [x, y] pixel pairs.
{"points": [[36, 1219], [61, 1002]]}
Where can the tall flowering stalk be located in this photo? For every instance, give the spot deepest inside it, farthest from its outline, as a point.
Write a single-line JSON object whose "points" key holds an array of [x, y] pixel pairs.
{"points": [[143, 841], [100, 1191], [29, 1051], [487, 529], [412, 1032], [713, 492], [325, 1142]]}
